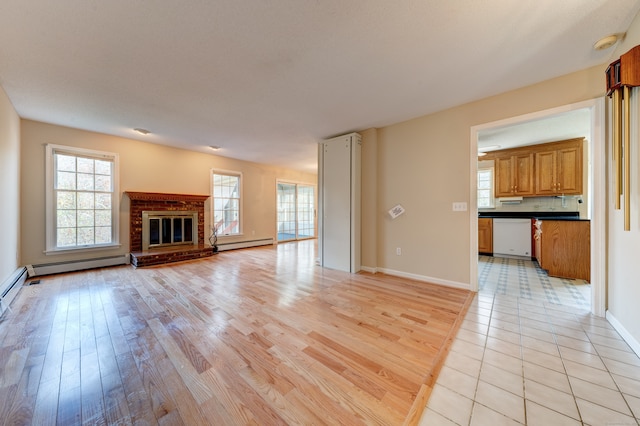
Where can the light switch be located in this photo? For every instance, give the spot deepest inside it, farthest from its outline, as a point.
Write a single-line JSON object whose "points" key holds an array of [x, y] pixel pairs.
{"points": [[460, 206]]}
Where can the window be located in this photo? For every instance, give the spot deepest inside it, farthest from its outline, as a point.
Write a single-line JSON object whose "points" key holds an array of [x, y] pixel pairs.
{"points": [[306, 211], [296, 211], [485, 188], [82, 206], [226, 202]]}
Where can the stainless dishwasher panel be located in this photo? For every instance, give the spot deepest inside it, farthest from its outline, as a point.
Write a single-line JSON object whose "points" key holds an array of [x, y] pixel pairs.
{"points": [[512, 237]]}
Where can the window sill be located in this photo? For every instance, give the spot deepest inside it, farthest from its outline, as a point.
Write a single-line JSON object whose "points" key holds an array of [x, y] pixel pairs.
{"points": [[230, 235], [55, 251]]}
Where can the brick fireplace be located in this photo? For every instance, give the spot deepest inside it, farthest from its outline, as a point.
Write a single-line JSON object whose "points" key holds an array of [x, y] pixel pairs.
{"points": [[165, 205]]}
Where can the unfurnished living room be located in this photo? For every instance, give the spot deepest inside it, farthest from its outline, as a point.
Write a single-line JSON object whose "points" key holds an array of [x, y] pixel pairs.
{"points": [[295, 212]]}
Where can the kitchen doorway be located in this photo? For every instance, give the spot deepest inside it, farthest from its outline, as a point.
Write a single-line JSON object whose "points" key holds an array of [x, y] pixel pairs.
{"points": [[595, 199]]}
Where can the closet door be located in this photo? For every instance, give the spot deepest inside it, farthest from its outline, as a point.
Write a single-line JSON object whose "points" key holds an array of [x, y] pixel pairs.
{"points": [[336, 197]]}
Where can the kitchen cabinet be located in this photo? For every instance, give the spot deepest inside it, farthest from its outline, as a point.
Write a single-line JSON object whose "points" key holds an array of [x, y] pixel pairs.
{"points": [[514, 173], [547, 169], [558, 168], [485, 235], [563, 248]]}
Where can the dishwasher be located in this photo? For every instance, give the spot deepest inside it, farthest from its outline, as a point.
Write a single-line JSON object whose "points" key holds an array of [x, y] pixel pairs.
{"points": [[512, 237]]}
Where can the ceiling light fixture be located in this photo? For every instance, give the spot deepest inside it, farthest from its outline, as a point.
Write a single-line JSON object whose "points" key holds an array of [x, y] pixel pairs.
{"points": [[214, 147], [606, 42], [141, 131]]}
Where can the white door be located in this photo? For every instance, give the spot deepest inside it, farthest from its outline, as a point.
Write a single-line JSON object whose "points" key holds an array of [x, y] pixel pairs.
{"points": [[336, 197]]}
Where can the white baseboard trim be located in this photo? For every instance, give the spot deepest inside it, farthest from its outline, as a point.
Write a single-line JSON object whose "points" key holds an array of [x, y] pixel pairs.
{"points": [[10, 288], [631, 341], [447, 283], [244, 244], [369, 269], [77, 265]]}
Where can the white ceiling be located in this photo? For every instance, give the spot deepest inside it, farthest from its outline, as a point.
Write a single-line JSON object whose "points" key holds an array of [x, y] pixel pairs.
{"points": [[566, 125], [267, 80]]}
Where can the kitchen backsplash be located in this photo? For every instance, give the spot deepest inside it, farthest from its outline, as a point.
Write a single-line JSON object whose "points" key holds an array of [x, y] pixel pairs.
{"points": [[544, 204]]}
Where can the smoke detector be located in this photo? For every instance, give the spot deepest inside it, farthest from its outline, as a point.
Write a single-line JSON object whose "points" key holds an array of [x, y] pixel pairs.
{"points": [[607, 42]]}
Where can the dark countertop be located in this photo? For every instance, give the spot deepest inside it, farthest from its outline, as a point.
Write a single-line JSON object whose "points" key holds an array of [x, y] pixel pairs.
{"points": [[532, 215]]}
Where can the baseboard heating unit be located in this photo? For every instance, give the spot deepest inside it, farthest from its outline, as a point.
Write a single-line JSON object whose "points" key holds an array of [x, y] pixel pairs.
{"points": [[77, 265], [245, 244], [11, 287]]}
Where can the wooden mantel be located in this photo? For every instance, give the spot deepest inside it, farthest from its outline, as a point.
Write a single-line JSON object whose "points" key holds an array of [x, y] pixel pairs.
{"points": [[160, 196]]}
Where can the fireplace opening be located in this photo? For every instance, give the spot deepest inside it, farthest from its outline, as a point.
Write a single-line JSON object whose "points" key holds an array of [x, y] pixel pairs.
{"points": [[169, 228]]}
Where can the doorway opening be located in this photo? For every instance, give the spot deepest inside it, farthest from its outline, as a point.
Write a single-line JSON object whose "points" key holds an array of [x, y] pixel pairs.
{"points": [[296, 211], [591, 116]]}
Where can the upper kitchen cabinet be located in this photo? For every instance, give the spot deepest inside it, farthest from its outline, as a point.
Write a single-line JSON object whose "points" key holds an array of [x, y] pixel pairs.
{"points": [[547, 169], [514, 173], [558, 168]]}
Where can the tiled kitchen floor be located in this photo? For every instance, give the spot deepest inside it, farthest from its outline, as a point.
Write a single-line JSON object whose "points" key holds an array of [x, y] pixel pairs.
{"points": [[530, 352]]}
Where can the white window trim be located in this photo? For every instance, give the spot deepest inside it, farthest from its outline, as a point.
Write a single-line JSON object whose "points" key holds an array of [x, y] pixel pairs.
{"points": [[241, 190], [50, 238], [493, 184], [315, 207]]}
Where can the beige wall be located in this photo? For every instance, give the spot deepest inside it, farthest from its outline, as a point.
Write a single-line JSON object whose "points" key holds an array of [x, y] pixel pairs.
{"points": [[423, 164], [623, 278], [9, 187], [143, 167]]}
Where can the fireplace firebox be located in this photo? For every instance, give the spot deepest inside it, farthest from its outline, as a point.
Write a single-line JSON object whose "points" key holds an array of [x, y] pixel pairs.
{"points": [[167, 228]]}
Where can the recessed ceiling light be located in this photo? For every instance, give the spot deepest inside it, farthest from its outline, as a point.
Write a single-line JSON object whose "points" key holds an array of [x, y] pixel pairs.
{"points": [[214, 147], [606, 42], [141, 131]]}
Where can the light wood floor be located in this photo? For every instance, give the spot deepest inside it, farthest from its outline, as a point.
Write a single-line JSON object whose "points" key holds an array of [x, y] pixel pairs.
{"points": [[258, 336]]}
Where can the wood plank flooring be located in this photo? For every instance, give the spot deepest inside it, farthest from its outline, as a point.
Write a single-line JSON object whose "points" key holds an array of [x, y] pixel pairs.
{"points": [[258, 336]]}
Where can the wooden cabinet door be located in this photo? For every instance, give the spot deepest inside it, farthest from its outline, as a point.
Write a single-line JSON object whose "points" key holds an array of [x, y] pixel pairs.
{"points": [[569, 170], [504, 177], [523, 174], [546, 173], [559, 170], [485, 235], [565, 248]]}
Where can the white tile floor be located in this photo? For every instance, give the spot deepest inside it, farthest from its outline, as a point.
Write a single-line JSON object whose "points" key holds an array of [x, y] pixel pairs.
{"points": [[521, 359]]}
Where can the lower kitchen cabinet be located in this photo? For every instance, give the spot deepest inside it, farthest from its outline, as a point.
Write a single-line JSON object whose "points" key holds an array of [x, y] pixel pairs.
{"points": [[485, 235], [563, 248]]}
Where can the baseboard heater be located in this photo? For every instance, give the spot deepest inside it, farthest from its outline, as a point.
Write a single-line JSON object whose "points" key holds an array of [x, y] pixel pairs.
{"points": [[245, 244], [77, 265], [11, 287]]}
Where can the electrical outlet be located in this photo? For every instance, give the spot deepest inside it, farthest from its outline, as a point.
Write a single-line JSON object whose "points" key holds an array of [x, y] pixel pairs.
{"points": [[460, 206], [399, 251]]}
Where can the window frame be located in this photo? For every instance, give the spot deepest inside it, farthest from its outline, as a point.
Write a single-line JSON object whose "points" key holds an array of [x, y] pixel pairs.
{"points": [[239, 175], [492, 199], [51, 227], [296, 212]]}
